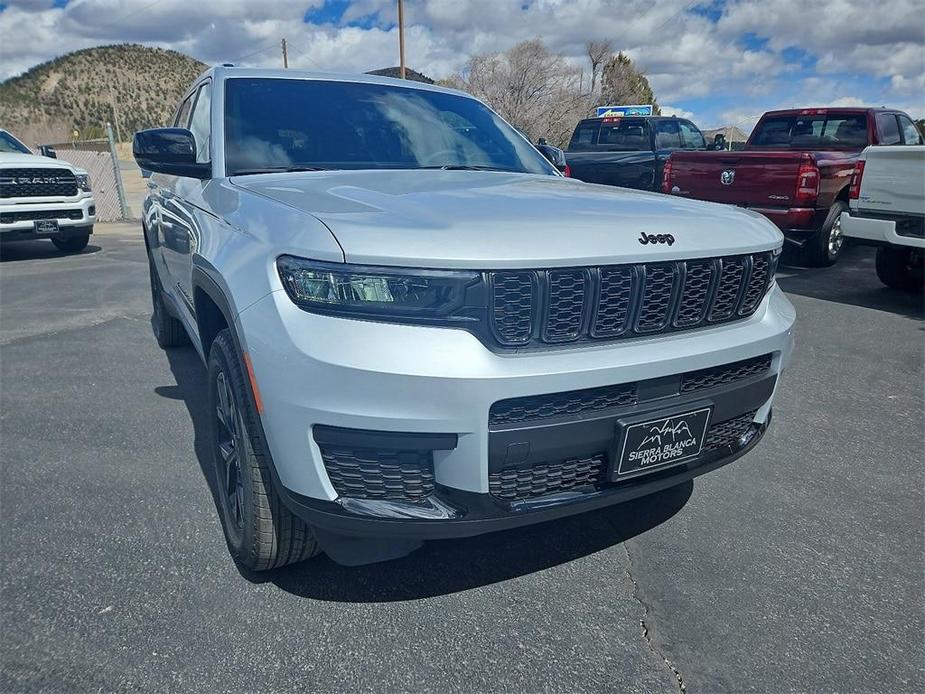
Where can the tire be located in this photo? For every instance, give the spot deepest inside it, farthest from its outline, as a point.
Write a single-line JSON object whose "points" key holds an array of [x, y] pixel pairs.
{"points": [[72, 244], [900, 268], [260, 531], [825, 246], [168, 331]]}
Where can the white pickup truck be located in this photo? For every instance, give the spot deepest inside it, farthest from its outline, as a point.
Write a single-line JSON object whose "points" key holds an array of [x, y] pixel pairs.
{"points": [[43, 198], [887, 209]]}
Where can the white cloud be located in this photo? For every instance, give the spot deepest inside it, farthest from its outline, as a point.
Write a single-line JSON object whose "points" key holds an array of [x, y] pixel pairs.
{"points": [[686, 55], [679, 112]]}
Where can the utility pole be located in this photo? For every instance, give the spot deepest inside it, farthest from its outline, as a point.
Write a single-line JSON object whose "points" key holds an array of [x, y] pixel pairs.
{"points": [[115, 113], [285, 54], [401, 39]]}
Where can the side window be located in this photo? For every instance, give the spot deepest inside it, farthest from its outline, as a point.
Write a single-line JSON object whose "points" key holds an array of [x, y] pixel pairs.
{"points": [[183, 113], [911, 134], [584, 136], [200, 123], [889, 130], [667, 135], [691, 138]]}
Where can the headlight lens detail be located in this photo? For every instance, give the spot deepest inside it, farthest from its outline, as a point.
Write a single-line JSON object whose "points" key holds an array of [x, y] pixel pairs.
{"points": [[354, 289], [83, 182]]}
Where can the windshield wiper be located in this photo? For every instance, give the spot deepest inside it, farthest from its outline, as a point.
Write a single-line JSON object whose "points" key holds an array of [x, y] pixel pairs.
{"points": [[277, 169], [468, 167]]}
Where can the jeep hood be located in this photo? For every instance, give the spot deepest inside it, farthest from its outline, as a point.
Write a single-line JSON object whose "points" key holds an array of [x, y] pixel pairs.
{"points": [[478, 219]]}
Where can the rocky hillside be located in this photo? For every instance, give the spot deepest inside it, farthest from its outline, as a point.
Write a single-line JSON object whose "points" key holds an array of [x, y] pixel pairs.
{"points": [[77, 91]]}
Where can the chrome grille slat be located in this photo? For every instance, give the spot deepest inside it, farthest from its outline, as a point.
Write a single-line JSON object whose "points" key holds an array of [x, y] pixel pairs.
{"points": [[617, 301]]}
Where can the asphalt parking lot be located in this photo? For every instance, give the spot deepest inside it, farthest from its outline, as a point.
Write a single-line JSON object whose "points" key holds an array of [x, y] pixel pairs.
{"points": [[798, 568]]}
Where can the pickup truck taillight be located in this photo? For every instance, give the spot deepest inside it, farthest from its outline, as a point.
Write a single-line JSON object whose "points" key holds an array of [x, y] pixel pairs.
{"points": [[854, 191], [567, 171], [666, 176], [807, 181]]}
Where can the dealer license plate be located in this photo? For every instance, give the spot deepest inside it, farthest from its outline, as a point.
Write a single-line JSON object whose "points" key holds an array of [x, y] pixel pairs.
{"points": [[657, 443]]}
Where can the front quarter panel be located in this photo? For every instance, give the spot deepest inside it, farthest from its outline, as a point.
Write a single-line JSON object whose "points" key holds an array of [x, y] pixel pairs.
{"points": [[244, 233]]}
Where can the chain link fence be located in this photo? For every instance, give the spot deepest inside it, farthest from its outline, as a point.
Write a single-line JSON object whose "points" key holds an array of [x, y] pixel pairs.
{"points": [[98, 158]]}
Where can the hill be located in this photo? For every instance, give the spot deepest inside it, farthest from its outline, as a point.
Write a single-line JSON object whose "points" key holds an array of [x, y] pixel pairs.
{"points": [[77, 91], [396, 73]]}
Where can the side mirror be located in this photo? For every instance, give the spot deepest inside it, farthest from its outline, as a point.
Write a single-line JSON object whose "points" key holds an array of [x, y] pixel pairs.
{"points": [[555, 155], [48, 151], [170, 151], [541, 141]]}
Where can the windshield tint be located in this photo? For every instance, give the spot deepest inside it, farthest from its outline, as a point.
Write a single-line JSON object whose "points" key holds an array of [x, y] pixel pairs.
{"points": [[811, 132], [277, 124], [8, 143]]}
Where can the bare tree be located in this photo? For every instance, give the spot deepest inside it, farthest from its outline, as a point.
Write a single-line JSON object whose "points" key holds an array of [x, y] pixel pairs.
{"points": [[530, 87], [597, 52]]}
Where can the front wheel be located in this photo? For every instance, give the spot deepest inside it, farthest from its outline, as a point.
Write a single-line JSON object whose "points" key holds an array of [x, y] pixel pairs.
{"points": [[825, 247], [260, 531], [72, 244], [901, 268]]}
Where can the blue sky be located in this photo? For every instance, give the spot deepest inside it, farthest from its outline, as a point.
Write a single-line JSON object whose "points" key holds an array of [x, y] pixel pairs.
{"points": [[720, 62]]}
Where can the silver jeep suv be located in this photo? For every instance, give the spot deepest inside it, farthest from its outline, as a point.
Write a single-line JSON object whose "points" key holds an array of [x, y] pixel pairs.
{"points": [[416, 328]]}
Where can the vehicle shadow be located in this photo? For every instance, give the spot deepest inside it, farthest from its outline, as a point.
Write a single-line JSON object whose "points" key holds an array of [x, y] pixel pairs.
{"points": [[439, 567], [37, 250], [852, 280]]}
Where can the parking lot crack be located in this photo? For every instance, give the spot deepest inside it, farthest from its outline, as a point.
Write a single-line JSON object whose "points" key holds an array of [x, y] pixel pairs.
{"points": [[645, 622]]}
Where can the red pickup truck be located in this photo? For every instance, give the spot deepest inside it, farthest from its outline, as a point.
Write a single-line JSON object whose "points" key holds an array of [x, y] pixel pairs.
{"points": [[795, 169]]}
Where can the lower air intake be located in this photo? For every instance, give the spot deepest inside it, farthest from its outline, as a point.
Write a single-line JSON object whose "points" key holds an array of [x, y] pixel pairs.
{"points": [[392, 475]]}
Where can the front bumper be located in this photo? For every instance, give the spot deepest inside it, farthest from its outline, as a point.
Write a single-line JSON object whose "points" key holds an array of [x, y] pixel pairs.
{"points": [[314, 371], [17, 221], [464, 514], [877, 231]]}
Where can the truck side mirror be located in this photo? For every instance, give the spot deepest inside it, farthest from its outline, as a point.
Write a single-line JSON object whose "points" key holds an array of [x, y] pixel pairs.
{"points": [[48, 151], [170, 151]]}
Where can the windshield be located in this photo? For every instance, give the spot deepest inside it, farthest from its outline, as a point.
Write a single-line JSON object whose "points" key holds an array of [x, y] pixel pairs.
{"points": [[811, 132], [281, 124], [8, 143]]}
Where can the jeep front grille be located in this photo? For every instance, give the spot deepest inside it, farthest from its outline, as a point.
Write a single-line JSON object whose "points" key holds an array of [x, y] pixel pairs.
{"points": [[536, 307]]}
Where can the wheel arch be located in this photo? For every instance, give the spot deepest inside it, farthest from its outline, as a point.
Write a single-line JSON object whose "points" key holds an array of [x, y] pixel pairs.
{"points": [[213, 311]]}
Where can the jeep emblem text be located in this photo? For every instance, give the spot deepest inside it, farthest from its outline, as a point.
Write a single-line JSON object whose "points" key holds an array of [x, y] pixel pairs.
{"points": [[645, 238]]}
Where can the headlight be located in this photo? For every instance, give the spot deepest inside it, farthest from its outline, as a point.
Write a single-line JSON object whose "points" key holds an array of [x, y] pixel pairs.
{"points": [[337, 288], [83, 182]]}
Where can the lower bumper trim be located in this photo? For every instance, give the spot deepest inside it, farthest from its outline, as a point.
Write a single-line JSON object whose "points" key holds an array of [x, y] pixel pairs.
{"points": [[480, 513]]}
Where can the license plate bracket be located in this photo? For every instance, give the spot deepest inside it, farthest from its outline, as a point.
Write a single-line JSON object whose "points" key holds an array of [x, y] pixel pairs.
{"points": [[659, 440]]}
